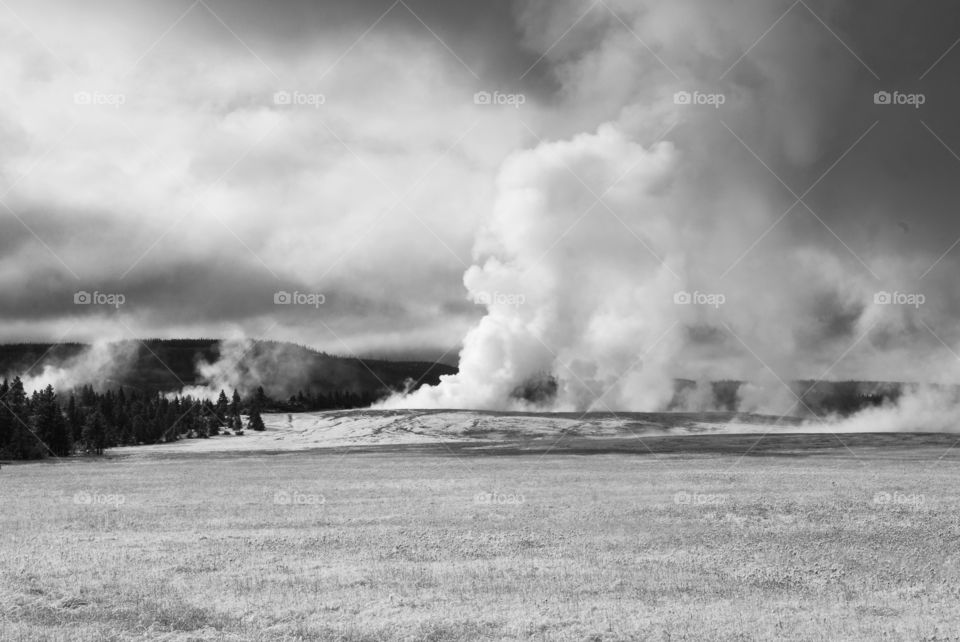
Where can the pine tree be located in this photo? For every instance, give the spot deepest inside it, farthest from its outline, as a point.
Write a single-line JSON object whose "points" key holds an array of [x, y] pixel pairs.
{"points": [[23, 443], [74, 419], [61, 442], [140, 428], [256, 421], [95, 433], [6, 420], [223, 408], [235, 404], [260, 399], [51, 426]]}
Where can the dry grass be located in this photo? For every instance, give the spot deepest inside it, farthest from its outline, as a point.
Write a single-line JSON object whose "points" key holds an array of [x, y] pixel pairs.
{"points": [[396, 547]]}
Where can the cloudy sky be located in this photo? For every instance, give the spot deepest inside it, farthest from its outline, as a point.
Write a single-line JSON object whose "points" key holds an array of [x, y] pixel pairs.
{"points": [[197, 158]]}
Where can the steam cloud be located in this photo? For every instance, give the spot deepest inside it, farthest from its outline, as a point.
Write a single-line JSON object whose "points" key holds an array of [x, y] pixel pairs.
{"points": [[592, 236], [98, 365], [553, 298], [243, 364], [922, 408]]}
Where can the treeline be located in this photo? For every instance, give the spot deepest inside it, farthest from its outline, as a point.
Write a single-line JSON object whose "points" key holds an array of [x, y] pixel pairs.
{"points": [[84, 421], [337, 400]]}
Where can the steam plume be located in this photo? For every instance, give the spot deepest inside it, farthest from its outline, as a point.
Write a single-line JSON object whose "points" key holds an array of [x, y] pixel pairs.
{"points": [[97, 365], [554, 302], [593, 234]]}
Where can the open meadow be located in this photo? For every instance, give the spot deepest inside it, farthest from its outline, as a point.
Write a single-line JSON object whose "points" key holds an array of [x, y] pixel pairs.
{"points": [[534, 543]]}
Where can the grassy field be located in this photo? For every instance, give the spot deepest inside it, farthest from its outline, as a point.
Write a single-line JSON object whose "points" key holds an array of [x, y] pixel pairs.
{"points": [[425, 544]]}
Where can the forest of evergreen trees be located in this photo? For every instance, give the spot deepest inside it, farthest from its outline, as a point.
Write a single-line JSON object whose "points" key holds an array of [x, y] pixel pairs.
{"points": [[47, 424]]}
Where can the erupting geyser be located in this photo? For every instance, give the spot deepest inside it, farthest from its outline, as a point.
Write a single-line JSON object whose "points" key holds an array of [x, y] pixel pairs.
{"points": [[568, 287]]}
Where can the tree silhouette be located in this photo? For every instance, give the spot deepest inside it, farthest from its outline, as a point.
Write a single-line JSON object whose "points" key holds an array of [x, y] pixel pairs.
{"points": [[95, 433], [256, 421]]}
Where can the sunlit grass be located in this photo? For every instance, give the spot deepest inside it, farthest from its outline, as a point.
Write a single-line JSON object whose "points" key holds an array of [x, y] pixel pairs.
{"points": [[398, 547]]}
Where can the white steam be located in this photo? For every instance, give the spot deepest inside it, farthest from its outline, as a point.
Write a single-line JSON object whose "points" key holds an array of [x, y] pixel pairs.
{"points": [[591, 236], [99, 365], [921, 408], [244, 364], [228, 373], [552, 279], [281, 369]]}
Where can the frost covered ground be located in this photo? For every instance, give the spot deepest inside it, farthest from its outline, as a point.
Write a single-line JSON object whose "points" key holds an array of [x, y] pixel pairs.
{"points": [[801, 539], [340, 429]]}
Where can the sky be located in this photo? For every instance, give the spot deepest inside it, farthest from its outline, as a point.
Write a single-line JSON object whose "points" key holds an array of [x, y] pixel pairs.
{"points": [[521, 186]]}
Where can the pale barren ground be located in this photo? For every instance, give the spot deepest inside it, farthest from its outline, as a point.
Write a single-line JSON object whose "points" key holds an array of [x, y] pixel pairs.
{"points": [[395, 546], [343, 428]]}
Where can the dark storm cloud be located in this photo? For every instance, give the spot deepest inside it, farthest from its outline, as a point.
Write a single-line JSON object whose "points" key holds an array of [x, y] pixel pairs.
{"points": [[484, 35], [900, 172]]}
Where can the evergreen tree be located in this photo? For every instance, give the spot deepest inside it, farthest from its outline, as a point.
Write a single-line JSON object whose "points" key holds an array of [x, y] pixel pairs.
{"points": [[74, 419], [140, 429], [23, 444], [222, 408], [6, 420], [207, 426], [50, 424], [235, 404], [260, 399], [256, 421], [95, 433]]}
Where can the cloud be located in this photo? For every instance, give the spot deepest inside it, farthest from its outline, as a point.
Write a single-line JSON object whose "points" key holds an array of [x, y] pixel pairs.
{"points": [[164, 169], [181, 178]]}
